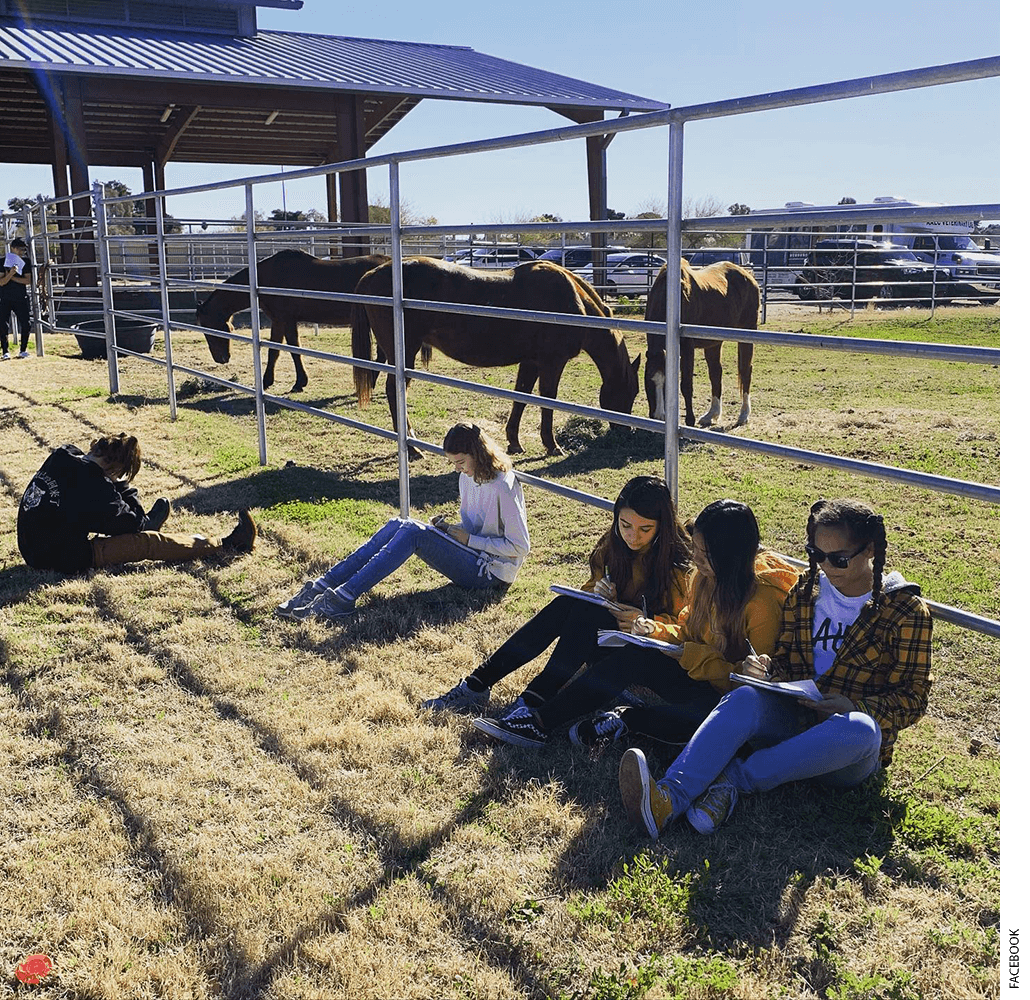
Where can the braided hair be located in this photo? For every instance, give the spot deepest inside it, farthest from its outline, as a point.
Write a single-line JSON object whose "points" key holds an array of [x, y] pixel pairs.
{"points": [[863, 525]]}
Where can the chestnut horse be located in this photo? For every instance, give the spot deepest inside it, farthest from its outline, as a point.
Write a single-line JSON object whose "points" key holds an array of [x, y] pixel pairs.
{"points": [[722, 294], [285, 269], [541, 350]]}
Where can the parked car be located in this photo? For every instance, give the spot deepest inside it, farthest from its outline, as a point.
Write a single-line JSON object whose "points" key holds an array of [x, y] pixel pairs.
{"points": [[836, 268], [496, 257], [578, 257], [712, 255], [626, 273]]}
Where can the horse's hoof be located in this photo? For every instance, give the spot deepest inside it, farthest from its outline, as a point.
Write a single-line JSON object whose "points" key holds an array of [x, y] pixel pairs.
{"points": [[555, 452], [298, 386], [515, 449]]}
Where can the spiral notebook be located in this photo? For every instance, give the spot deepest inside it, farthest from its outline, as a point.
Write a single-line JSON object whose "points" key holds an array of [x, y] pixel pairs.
{"points": [[794, 689], [610, 637]]}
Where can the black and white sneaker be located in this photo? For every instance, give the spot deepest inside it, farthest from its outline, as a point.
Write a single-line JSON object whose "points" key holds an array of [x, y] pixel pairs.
{"points": [[599, 731], [460, 698], [518, 727]]}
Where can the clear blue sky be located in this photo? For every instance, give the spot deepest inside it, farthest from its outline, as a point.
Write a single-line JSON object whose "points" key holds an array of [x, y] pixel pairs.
{"points": [[940, 144]]}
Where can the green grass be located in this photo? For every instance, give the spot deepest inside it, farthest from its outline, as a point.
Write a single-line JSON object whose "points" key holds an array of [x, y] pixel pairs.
{"points": [[206, 800]]}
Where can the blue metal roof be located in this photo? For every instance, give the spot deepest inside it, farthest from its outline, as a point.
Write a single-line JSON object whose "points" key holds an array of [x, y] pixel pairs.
{"points": [[294, 59]]}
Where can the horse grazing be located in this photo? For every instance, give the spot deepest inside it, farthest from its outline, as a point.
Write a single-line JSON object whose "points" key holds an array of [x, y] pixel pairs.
{"points": [[285, 269], [541, 350], [722, 294]]}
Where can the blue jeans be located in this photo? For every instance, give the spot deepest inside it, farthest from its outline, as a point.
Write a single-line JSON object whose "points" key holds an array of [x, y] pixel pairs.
{"points": [[841, 751], [391, 546]]}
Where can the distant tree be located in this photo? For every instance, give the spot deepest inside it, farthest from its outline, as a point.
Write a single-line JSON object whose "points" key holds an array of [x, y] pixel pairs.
{"points": [[20, 204], [612, 214], [379, 213], [738, 208], [284, 219], [847, 201]]}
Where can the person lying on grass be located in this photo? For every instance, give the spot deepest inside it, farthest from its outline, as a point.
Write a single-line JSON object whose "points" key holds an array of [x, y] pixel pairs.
{"points": [[861, 636], [734, 598], [483, 551], [640, 560], [74, 495]]}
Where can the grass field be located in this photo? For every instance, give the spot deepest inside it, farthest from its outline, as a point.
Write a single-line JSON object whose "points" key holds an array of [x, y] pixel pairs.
{"points": [[203, 800]]}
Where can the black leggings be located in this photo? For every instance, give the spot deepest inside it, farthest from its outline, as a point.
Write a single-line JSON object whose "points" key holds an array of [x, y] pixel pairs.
{"points": [[20, 308], [574, 623], [626, 666]]}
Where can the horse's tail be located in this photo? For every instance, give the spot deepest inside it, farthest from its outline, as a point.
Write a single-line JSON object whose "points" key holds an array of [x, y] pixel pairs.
{"points": [[361, 348], [427, 354]]}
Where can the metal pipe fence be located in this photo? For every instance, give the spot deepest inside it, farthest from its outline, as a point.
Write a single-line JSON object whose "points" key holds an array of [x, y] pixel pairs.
{"points": [[168, 256]]}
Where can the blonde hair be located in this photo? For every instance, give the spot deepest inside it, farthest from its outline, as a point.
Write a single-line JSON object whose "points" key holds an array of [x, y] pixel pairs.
{"points": [[120, 453], [487, 458]]}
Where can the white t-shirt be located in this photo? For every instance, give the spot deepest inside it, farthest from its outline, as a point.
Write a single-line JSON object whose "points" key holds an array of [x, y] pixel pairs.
{"points": [[494, 515], [833, 614]]}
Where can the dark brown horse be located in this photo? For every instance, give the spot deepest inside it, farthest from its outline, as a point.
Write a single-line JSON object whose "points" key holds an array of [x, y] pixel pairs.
{"points": [[722, 294], [285, 269], [541, 350]]}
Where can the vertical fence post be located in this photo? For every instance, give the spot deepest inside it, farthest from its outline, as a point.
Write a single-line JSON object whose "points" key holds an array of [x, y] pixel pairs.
{"points": [[48, 270], [255, 328], [100, 213], [672, 309], [37, 322], [162, 273], [400, 393]]}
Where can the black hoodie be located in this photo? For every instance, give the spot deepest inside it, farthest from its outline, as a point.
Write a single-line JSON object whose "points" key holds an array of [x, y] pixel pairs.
{"points": [[67, 500]]}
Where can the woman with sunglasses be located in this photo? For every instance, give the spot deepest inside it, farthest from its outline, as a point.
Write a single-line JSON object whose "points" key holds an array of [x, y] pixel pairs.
{"points": [[864, 639]]}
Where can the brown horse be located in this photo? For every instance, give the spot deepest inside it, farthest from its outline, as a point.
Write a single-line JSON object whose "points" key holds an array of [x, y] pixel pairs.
{"points": [[722, 294], [541, 350], [285, 269]]}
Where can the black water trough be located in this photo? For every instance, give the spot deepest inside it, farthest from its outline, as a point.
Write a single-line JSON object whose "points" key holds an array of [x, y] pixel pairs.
{"points": [[132, 334]]}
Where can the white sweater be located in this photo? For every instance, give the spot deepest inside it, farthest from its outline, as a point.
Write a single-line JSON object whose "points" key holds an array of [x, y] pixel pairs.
{"points": [[494, 515]]}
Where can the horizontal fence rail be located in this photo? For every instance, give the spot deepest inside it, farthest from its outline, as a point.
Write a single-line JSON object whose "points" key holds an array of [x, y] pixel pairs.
{"points": [[154, 261]]}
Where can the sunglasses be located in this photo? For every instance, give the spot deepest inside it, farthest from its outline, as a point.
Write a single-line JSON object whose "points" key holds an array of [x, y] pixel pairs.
{"points": [[837, 559]]}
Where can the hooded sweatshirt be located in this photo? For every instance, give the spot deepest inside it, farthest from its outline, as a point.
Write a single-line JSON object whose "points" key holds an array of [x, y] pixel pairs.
{"points": [[763, 615], [69, 498]]}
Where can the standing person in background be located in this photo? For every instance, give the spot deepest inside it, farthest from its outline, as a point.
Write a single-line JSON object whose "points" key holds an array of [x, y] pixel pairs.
{"points": [[74, 495], [861, 636], [483, 551], [17, 275]]}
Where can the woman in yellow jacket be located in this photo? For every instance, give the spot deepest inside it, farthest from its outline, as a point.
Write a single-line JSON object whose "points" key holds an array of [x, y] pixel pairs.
{"points": [[735, 596]]}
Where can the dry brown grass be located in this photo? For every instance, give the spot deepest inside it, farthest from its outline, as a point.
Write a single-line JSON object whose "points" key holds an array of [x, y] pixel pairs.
{"points": [[204, 800]]}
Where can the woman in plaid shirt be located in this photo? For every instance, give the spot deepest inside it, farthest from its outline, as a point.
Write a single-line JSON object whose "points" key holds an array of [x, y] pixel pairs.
{"points": [[862, 636]]}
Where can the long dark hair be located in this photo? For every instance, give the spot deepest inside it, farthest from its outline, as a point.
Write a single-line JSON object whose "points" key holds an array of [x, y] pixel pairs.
{"points": [[649, 497], [863, 525], [732, 541]]}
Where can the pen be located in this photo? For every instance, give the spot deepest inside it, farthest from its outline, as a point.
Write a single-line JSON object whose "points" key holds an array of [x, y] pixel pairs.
{"points": [[643, 604], [750, 648]]}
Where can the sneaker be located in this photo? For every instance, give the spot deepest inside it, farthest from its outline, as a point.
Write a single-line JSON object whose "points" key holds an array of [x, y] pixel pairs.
{"points": [[600, 730], [158, 514], [460, 698], [328, 606], [6, 357], [23, 354], [648, 805], [710, 810], [242, 537], [518, 727], [306, 594]]}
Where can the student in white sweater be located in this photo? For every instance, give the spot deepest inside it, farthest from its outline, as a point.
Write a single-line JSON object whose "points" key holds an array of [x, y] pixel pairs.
{"points": [[483, 550]]}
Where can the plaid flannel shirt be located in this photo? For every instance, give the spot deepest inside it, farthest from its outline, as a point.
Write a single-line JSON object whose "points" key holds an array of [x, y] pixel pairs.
{"points": [[882, 664]]}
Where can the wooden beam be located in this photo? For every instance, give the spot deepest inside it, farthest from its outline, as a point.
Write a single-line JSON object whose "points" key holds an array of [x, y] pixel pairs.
{"points": [[350, 145], [78, 162], [176, 126]]}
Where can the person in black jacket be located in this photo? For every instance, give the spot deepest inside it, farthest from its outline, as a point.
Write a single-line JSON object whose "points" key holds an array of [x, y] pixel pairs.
{"points": [[75, 495], [15, 277]]}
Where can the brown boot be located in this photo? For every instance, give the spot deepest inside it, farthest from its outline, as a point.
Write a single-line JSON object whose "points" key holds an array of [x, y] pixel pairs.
{"points": [[242, 537]]}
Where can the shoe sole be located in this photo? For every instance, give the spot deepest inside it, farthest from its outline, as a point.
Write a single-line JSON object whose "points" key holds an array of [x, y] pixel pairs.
{"points": [[490, 727], [635, 785]]}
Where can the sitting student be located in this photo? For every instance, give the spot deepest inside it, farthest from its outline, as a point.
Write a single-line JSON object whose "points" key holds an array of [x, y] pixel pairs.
{"points": [[484, 550], [641, 558], [735, 596], [734, 606], [864, 638], [74, 495]]}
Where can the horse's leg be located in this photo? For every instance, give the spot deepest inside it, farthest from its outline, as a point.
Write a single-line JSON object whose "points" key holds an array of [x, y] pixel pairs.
{"points": [[549, 379], [654, 377], [293, 338], [525, 379], [713, 355], [745, 354], [276, 338]]}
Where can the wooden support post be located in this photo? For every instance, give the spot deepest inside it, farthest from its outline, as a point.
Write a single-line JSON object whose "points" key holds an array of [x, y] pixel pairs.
{"points": [[353, 186]]}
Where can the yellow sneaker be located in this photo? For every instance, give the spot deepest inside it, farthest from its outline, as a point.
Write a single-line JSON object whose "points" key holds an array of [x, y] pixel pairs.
{"points": [[648, 805]]}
